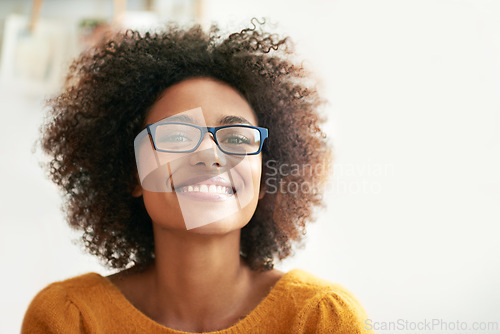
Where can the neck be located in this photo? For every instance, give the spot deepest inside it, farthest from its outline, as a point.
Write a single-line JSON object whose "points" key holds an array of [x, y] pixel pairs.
{"points": [[198, 278]]}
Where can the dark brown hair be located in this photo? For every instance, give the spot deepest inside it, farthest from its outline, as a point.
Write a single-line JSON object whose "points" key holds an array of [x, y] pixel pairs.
{"points": [[92, 124]]}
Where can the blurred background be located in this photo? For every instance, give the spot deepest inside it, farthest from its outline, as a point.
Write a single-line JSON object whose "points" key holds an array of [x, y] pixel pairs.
{"points": [[412, 222]]}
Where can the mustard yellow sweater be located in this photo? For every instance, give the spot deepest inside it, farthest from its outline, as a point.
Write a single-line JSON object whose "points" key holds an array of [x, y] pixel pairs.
{"points": [[298, 303]]}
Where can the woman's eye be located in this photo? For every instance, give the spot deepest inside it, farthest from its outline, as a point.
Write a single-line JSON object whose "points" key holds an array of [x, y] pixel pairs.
{"points": [[236, 140], [176, 138]]}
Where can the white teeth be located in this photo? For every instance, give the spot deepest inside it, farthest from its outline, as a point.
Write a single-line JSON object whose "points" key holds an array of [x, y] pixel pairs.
{"points": [[204, 188]]}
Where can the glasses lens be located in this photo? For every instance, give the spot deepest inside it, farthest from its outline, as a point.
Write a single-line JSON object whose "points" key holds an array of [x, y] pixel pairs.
{"points": [[238, 140], [176, 137]]}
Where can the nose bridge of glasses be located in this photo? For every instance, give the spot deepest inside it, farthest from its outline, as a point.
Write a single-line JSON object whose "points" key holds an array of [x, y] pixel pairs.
{"points": [[208, 152], [208, 132]]}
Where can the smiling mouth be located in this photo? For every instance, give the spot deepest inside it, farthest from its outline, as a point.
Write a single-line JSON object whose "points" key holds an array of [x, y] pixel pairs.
{"points": [[211, 188], [206, 188]]}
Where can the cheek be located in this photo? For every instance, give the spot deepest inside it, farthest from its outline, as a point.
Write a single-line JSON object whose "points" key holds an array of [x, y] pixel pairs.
{"points": [[254, 172], [250, 169], [163, 208], [256, 165]]}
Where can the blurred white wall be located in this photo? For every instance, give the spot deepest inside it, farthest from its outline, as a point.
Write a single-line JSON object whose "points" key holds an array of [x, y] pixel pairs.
{"points": [[413, 215]]}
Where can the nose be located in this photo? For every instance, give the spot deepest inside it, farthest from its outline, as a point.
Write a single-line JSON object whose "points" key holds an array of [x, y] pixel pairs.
{"points": [[208, 153]]}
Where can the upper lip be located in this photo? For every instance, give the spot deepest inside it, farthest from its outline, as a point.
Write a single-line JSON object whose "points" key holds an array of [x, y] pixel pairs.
{"points": [[208, 180]]}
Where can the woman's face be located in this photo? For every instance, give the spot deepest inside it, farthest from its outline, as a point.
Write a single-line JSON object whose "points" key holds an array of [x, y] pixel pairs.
{"points": [[210, 192]]}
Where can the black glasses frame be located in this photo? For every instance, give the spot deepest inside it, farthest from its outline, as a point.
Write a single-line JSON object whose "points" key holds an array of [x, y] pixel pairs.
{"points": [[151, 128]]}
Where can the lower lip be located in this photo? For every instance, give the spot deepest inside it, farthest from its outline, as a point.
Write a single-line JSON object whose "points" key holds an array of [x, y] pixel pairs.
{"points": [[205, 196]]}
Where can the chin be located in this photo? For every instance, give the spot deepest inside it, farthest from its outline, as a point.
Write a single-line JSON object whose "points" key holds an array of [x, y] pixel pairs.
{"points": [[219, 227]]}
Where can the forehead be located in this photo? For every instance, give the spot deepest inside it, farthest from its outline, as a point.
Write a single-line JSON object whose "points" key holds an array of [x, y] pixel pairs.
{"points": [[216, 99]]}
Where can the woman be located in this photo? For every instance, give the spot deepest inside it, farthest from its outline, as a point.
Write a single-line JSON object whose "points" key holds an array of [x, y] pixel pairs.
{"points": [[160, 144]]}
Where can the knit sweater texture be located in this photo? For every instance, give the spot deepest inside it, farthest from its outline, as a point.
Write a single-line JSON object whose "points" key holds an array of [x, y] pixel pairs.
{"points": [[298, 303]]}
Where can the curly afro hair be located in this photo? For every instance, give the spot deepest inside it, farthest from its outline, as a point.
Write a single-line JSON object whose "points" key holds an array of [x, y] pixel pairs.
{"points": [[89, 135]]}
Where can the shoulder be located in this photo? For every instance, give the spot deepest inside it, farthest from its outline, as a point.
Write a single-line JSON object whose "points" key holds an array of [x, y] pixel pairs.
{"points": [[70, 289], [322, 305], [302, 283], [56, 308]]}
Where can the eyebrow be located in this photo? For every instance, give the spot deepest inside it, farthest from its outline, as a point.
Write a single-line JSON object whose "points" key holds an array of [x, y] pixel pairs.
{"points": [[225, 120], [231, 119], [181, 118]]}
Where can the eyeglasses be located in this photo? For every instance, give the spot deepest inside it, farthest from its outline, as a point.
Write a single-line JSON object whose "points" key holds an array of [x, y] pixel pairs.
{"points": [[184, 137]]}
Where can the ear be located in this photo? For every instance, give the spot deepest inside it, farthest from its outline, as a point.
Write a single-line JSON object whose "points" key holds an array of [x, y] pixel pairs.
{"points": [[263, 186], [263, 190], [137, 192]]}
